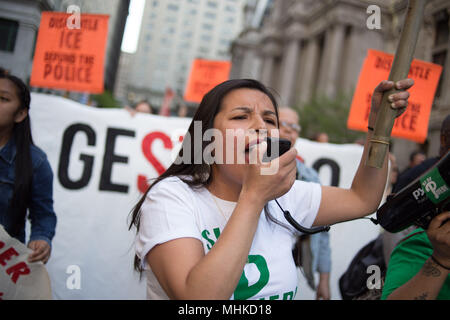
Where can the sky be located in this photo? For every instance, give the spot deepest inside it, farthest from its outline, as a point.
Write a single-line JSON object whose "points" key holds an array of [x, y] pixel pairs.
{"points": [[133, 26]]}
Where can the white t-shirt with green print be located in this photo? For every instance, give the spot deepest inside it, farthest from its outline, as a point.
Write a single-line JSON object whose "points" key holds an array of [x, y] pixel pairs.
{"points": [[173, 210]]}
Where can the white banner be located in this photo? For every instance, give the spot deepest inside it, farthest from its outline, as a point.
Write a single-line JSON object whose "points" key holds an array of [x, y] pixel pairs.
{"points": [[101, 159]]}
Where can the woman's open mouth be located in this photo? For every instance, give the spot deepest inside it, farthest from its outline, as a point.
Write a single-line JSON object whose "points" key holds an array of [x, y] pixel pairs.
{"points": [[250, 146]]}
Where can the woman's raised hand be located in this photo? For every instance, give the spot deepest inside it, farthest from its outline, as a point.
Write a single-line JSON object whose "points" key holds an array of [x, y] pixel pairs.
{"points": [[269, 180]]}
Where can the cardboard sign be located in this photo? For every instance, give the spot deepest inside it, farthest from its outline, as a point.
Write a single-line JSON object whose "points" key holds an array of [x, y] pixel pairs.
{"points": [[205, 75], [70, 58], [19, 279], [411, 125]]}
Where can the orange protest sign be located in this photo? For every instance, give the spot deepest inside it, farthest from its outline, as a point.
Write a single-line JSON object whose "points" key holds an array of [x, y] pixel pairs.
{"points": [[69, 58], [205, 75], [413, 124]]}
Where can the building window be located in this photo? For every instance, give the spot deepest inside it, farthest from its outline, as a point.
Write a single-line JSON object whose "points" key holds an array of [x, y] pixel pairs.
{"points": [[184, 45], [229, 20], [230, 8], [172, 7], [224, 42], [442, 28], [187, 34], [171, 19], [439, 58], [212, 4], [222, 53], [207, 26], [206, 37], [169, 30], [210, 15], [8, 30], [440, 48], [203, 50], [166, 41]]}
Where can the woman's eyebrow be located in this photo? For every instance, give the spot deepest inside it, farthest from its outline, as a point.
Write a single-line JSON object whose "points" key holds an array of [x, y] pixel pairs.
{"points": [[245, 109], [269, 112], [249, 110]]}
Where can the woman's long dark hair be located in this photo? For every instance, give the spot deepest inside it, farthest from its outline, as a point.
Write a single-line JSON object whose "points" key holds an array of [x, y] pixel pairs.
{"points": [[23, 169], [199, 175]]}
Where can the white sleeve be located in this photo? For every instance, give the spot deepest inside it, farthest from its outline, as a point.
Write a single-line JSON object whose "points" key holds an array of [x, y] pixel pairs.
{"points": [[166, 214], [304, 202]]}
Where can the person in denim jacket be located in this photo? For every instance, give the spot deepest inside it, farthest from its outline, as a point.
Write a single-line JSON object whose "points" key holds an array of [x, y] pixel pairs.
{"points": [[319, 242], [26, 177]]}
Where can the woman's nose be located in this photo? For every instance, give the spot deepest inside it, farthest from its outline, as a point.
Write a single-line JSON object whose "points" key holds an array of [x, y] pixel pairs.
{"points": [[259, 123]]}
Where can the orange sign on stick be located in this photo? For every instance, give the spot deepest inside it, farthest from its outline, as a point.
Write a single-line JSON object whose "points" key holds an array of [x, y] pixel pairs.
{"points": [[69, 58], [205, 75], [413, 124]]}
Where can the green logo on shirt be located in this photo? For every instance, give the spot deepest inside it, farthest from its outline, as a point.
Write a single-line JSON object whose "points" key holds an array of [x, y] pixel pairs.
{"points": [[434, 186], [243, 290]]}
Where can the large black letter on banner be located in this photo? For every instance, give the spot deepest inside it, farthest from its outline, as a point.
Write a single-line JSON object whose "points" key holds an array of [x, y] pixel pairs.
{"points": [[63, 168], [109, 158], [335, 170]]}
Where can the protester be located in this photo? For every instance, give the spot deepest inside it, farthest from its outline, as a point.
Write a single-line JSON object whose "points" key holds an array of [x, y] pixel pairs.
{"points": [[412, 273], [200, 232], [141, 107], [409, 176], [419, 266], [144, 107], [320, 242], [25, 173], [416, 158], [321, 137]]}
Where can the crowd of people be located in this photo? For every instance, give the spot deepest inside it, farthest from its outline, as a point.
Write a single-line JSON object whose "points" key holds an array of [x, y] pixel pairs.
{"points": [[145, 107], [181, 210]]}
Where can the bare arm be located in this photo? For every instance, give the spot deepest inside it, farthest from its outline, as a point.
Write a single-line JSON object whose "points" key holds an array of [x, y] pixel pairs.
{"points": [[369, 183], [185, 272], [425, 285], [323, 288]]}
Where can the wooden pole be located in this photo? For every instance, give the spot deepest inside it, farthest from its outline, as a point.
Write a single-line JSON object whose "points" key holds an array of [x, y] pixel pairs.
{"points": [[379, 143]]}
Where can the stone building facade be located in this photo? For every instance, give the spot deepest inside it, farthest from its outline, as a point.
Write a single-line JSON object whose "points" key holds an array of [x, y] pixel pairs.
{"points": [[19, 24], [308, 47]]}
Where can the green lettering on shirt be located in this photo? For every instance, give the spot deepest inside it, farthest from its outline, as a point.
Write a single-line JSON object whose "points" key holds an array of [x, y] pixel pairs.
{"points": [[243, 290], [288, 295], [205, 235]]}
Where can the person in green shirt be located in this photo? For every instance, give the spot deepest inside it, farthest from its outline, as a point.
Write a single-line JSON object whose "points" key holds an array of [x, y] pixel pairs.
{"points": [[420, 264]]}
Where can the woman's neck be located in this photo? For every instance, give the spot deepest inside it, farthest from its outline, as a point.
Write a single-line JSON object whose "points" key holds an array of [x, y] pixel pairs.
{"points": [[224, 188]]}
